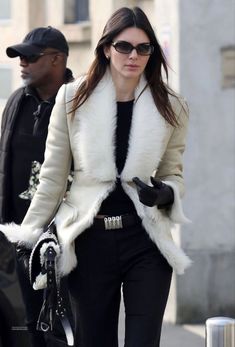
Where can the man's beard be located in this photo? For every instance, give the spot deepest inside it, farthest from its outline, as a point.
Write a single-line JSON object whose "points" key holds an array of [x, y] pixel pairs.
{"points": [[26, 81]]}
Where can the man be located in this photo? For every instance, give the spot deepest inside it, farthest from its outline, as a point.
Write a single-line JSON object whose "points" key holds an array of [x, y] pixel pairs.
{"points": [[43, 57]]}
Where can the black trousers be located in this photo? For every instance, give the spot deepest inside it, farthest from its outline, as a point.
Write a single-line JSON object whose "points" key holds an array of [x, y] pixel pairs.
{"points": [[109, 260]]}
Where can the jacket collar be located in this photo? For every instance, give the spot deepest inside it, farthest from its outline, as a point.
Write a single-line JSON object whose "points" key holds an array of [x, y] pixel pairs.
{"points": [[96, 135], [32, 92]]}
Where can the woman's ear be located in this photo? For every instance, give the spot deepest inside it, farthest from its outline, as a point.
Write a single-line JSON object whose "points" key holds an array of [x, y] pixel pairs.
{"points": [[107, 52]]}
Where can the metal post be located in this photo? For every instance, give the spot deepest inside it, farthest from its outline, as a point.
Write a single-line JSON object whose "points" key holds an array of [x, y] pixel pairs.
{"points": [[220, 332]]}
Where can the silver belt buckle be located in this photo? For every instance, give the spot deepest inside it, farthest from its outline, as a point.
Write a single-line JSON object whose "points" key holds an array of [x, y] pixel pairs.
{"points": [[111, 223]]}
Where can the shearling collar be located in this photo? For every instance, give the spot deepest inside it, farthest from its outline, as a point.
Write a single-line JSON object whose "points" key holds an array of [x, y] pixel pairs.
{"points": [[97, 124]]}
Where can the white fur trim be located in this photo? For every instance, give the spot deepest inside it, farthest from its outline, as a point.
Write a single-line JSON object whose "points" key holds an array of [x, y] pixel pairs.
{"points": [[40, 282], [68, 260], [94, 137], [68, 228], [161, 236], [22, 235], [158, 226], [176, 213], [147, 134], [95, 153]]}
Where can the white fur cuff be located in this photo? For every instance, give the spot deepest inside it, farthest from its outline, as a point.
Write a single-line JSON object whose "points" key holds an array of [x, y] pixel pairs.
{"points": [[18, 234], [176, 213]]}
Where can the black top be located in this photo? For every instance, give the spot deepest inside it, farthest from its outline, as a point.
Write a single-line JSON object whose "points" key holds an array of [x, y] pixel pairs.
{"points": [[118, 202], [27, 151]]}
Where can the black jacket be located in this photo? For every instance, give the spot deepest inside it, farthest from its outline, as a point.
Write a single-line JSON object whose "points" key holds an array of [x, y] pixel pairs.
{"points": [[9, 117]]}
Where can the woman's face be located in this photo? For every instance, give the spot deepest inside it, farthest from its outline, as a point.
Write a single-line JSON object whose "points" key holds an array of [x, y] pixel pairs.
{"points": [[130, 65]]}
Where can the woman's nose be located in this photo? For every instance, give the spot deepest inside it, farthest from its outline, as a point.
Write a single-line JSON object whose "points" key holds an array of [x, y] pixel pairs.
{"points": [[133, 54]]}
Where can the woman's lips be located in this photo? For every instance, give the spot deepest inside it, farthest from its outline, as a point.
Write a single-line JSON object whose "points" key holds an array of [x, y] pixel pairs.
{"points": [[132, 66]]}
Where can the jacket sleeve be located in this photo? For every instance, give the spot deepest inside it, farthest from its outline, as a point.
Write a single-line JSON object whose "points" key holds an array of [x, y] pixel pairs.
{"points": [[10, 108], [170, 170], [55, 169]]}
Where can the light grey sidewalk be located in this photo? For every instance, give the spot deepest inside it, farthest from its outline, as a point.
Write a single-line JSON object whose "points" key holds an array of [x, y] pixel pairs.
{"points": [[173, 335], [178, 336], [183, 335]]}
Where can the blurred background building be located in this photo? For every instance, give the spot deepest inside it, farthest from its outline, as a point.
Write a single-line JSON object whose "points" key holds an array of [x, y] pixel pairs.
{"points": [[198, 38]]}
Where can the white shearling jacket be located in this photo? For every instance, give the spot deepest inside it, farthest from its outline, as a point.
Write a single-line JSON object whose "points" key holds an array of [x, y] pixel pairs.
{"points": [[155, 147]]}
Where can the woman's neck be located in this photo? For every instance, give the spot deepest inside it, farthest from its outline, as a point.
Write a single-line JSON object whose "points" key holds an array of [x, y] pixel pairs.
{"points": [[124, 94], [125, 88]]}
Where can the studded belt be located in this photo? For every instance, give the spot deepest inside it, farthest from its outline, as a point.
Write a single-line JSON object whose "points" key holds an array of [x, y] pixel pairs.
{"points": [[115, 222]]}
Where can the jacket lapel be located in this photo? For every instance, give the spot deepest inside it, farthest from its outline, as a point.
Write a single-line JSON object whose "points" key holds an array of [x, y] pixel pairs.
{"points": [[95, 139], [146, 139]]}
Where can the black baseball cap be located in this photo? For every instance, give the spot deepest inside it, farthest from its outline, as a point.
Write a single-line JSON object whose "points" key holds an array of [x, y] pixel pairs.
{"points": [[37, 40]]}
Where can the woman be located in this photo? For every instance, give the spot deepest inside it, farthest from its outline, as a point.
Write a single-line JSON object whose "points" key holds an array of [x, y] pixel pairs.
{"points": [[121, 124]]}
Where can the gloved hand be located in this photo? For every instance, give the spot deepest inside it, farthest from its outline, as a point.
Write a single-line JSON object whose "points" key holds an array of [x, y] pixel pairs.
{"points": [[159, 194]]}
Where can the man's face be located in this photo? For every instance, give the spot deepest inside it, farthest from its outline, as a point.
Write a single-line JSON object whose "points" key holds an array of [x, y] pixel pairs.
{"points": [[36, 70]]}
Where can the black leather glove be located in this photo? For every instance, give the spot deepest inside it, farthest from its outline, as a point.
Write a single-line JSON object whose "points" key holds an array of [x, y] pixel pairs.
{"points": [[159, 194]]}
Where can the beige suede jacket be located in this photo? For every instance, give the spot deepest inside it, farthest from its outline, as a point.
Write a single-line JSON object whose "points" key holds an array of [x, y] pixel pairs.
{"points": [[155, 147]]}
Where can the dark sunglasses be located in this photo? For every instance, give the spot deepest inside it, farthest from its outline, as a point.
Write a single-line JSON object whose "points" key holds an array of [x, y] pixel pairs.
{"points": [[125, 47], [34, 57]]}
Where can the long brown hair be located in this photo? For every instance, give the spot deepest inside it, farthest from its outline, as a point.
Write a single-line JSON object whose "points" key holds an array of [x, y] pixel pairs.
{"points": [[120, 20]]}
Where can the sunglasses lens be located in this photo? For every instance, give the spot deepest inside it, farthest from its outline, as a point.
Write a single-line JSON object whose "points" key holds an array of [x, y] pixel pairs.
{"points": [[126, 48], [30, 58], [123, 47], [145, 49]]}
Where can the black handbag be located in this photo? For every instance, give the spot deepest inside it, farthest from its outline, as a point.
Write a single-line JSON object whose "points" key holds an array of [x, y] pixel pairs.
{"points": [[37, 259], [43, 274]]}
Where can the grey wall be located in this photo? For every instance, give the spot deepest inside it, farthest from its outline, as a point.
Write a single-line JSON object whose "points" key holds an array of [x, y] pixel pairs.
{"points": [[208, 288]]}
